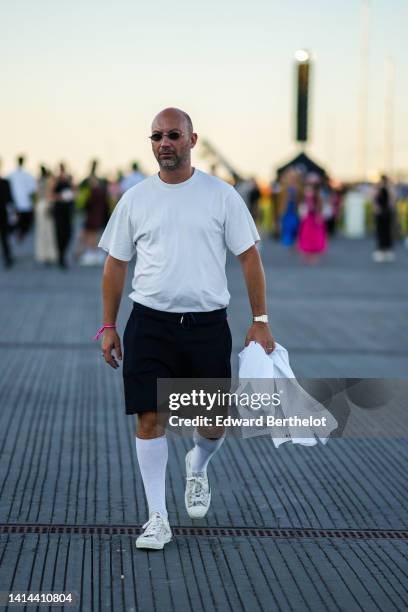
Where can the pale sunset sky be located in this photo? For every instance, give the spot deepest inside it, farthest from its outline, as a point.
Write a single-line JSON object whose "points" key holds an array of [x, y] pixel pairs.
{"points": [[85, 78]]}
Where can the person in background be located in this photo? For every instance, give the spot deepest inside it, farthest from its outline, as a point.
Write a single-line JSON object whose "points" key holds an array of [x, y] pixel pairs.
{"points": [[275, 194], [81, 199], [96, 217], [253, 200], [244, 188], [289, 220], [249, 191], [383, 212], [336, 201], [5, 202], [114, 190], [131, 179], [62, 193], [45, 248], [312, 240], [23, 188], [327, 207]]}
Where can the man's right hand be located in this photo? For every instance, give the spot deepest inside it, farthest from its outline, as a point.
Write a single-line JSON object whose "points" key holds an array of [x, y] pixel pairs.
{"points": [[111, 341]]}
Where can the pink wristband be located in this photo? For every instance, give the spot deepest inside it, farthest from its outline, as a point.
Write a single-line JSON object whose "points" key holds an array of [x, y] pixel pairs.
{"points": [[101, 330]]}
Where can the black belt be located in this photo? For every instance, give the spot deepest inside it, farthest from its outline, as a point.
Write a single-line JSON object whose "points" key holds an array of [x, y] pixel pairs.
{"points": [[185, 319]]}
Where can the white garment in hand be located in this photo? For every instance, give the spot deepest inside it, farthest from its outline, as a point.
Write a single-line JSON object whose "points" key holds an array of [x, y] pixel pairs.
{"points": [[254, 363]]}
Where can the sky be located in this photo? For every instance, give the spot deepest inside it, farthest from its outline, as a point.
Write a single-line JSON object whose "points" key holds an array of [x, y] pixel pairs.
{"points": [[83, 79]]}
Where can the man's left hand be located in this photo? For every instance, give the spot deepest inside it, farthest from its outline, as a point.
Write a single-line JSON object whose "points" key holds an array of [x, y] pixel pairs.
{"points": [[261, 333]]}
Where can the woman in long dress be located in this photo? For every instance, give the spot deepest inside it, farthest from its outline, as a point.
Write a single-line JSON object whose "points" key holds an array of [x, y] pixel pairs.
{"points": [[312, 232], [45, 245], [289, 196]]}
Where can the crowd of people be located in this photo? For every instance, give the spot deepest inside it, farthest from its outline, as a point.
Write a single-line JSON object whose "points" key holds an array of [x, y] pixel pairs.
{"points": [[48, 204], [306, 212]]}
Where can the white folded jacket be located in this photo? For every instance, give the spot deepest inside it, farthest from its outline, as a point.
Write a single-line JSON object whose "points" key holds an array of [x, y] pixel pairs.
{"points": [[275, 371]]}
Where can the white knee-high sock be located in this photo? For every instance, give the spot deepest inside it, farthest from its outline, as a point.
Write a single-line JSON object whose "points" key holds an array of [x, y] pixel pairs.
{"points": [[203, 450], [152, 456]]}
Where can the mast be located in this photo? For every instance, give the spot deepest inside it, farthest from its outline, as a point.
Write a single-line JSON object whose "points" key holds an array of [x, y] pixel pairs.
{"points": [[389, 116], [363, 98]]}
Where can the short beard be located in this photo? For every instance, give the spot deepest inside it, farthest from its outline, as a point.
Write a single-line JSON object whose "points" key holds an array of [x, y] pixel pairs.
{"points": [[174, 163], [170, 164]]}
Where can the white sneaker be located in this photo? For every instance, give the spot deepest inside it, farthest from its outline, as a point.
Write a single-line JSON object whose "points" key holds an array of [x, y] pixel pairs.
{"points": [[197, 496], [156, 533], [87, 259], [378, 256], [92, 258]]}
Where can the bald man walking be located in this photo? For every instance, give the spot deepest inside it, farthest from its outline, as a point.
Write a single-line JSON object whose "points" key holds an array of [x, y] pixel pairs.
{"points": [[179, 224]]}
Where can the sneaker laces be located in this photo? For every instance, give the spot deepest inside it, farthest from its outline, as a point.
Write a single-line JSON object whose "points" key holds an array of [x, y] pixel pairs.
{"points": [[153, 524], [199, 486]]}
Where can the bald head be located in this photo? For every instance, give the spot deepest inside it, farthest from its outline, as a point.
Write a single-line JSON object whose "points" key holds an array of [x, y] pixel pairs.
{"points": [[178, 118]]}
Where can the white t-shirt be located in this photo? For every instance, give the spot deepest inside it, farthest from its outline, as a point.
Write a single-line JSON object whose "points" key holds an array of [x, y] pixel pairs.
{"points": [[180, 233], [23, 186]]}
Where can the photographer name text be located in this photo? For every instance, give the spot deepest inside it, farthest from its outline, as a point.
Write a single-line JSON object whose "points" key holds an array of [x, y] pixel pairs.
{"points": [[260, 421]]}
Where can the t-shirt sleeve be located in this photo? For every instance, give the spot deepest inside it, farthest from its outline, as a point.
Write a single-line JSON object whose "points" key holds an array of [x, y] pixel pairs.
{"points": [[118, 237], [240, 229]]}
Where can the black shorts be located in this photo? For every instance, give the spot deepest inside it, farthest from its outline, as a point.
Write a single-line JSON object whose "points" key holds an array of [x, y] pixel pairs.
{"points": [[159, 344]]}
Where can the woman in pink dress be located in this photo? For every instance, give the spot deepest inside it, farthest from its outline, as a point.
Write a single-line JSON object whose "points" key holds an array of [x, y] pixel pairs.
{"points": [[312, 240]]}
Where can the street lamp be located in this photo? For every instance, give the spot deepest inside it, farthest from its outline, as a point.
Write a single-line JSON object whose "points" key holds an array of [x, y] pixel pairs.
{"points": [[302, 55], [303, 63]]}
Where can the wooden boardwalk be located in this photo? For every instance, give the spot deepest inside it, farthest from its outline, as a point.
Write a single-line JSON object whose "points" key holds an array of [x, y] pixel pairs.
{"points": [[71, 498]]}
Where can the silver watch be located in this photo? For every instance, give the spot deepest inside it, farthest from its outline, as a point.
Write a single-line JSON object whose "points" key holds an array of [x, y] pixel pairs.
{"points": [[261, 319]]}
